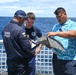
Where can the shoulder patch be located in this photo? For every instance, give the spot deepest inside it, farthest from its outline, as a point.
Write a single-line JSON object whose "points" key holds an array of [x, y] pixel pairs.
{"points": [[24, 34]]}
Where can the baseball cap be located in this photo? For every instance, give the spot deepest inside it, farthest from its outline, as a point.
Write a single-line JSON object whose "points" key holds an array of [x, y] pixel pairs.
{"points": [[20, 13]]}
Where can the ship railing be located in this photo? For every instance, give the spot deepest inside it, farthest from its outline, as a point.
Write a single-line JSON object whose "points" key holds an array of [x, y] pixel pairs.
{"points": [[43, 60]]}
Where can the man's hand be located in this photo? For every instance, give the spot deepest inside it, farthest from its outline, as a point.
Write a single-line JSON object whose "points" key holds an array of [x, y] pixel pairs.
{"points": [[51, 33], [37, 49]]}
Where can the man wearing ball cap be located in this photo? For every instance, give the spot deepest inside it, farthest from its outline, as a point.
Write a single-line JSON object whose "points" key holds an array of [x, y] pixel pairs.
{"points": [[16, 44]]}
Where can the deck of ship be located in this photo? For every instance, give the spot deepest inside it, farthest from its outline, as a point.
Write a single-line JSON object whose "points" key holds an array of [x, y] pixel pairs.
{"points": [[36, 74]]}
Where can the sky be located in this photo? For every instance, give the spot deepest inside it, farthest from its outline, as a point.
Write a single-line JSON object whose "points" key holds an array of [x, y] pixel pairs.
{"points": [[41, 8]]}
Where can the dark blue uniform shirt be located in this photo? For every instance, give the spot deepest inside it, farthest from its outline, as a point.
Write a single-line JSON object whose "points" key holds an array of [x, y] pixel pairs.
{"points": [[16, 44], [33, 32]]}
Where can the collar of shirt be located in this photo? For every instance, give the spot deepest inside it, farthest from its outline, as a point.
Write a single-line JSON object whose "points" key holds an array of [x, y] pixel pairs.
{"points": [[66, 23], [12, 21]]}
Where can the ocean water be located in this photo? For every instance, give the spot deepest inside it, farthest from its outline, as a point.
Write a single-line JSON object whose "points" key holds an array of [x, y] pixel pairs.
{"points": [[45, 24]]}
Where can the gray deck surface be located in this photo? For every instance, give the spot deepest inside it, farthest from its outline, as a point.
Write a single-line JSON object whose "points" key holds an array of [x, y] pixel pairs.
{"points": [[36, 74]]}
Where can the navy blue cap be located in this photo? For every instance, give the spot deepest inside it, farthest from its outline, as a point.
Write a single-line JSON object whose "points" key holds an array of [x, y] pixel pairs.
{"points": [[20, 13]]}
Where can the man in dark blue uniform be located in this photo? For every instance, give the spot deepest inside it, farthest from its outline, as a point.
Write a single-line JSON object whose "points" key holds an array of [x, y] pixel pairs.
{"points": [[32, 32], [17, 45]]}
